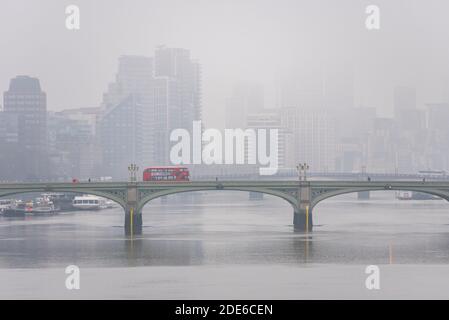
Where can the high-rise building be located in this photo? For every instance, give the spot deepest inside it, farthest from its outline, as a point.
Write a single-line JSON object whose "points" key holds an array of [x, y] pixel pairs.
{"points": [[309, 137], [352, 129], [406, 113], [27, 102], [381, 147], [409, 135], [9, 145], [164, 93], [438, 136], [438, 117], [268, 120], [177, 97], [311, 99], [72, 148], [134, 76], [121, 134], [127, 105]]}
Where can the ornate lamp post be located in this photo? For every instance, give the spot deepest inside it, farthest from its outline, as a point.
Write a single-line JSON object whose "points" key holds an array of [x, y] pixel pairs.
{"points": [[302, 169], [133, 169], [298, 168], [305, 167]]}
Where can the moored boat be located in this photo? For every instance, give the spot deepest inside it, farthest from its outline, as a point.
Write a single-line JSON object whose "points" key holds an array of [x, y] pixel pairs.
{"points": [[89, 202], [404, 195], [18, 209], [43, 206], [414, 195], [61, 201], [5, 204]]}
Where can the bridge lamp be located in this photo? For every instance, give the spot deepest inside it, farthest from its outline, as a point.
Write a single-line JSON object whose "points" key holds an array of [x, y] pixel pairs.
{"points": [[305, 168], [298, 168], [302, 168], [133, 169]]}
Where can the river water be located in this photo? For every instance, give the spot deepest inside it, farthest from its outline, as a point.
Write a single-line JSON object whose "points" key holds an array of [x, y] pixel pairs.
{"points": [[221, 245]]}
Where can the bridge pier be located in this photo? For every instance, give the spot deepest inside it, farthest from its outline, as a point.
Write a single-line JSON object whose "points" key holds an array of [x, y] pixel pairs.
{"points": [[302, 216], [302, 220], [133, 222], [133, 216]]}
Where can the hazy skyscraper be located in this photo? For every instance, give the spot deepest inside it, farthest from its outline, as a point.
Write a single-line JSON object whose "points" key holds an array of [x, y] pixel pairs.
{"points": [[309, 137], [71, 143], [121, 134], [405, 110], [267, 120], [149, 99], [177, 97], [9, 145], [27, 102], [134, 76], [438, 136], [127, 109]]}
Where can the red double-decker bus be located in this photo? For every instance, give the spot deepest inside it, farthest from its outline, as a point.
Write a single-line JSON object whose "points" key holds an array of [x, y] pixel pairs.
{"points": [[166, 174]]}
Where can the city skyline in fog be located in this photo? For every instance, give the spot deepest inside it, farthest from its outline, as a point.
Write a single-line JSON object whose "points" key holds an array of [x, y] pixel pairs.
{"points": [[224, 149], [235, 42]]}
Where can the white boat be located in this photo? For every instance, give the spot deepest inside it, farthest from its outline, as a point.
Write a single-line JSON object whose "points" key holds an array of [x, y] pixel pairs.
{"points": [[88, 202], [110, 204], [404, 195], [414, 195]]}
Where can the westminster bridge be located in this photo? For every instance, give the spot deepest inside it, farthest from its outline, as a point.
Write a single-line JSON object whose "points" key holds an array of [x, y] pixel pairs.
{"points": [[303, 196]]}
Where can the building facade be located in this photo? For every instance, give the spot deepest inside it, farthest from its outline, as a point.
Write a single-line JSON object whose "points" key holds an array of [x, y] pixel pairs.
{"points": [[309, 138], [176, 97], [27, 103], [149, 98]]}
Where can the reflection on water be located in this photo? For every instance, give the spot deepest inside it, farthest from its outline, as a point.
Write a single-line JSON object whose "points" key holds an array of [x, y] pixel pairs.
{"points": [[226, 228]]}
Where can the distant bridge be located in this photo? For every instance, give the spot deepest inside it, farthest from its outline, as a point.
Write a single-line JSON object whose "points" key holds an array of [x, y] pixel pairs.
{"points": [[302, 195]]}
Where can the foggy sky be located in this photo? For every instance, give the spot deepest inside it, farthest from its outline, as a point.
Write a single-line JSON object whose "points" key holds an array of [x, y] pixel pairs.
{"points": [[234, 40]]}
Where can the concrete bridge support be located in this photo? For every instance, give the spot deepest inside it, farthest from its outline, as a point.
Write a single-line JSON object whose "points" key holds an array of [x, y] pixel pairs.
{"points": [[302, 220], [133, 216], [133, 222], [302, 217]]}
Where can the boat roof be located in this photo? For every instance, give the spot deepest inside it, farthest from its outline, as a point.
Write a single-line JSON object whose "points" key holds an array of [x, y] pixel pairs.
{"points": [[87, 196]]}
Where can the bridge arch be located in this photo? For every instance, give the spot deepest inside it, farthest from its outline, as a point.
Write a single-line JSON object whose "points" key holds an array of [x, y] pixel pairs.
{"points": [[435, 192], [289, 198]]}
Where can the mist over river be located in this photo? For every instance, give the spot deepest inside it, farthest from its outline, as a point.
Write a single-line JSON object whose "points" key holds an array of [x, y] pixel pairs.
{"points": [[218, 245]]}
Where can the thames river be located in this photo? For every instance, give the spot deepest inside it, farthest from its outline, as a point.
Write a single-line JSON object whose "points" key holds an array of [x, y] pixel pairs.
{"points": [[221, 245]]}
